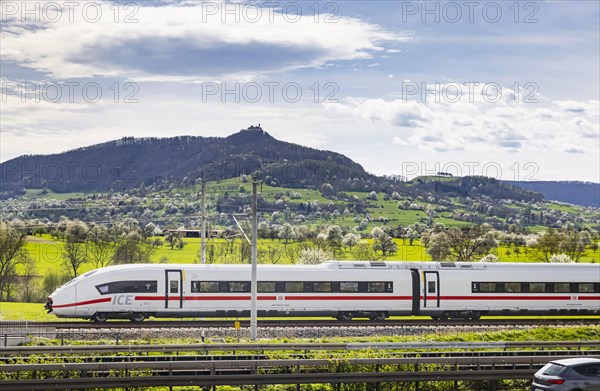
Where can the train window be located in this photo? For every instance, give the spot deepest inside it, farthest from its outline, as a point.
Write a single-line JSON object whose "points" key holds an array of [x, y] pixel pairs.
{"points": [[239, 286], [208, 286], [562, 287], [376, 287], [128, 287], [487, 287], [512, 287], [430, 286], [348, 286], [537, 287], [173, 286], [321, 286], [267, 286], [294, 286], [585, 287]]}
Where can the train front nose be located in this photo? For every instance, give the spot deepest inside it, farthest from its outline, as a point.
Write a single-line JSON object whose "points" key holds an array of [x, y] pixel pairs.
{"points": [[48, 305]]}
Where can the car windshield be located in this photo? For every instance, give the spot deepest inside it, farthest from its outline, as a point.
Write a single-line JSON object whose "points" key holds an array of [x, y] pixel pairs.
{"points": [[552, 369]]}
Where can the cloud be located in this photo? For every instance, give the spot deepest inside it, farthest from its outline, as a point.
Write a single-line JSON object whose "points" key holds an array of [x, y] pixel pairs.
{"points": [[479, 123], [179, 41], [399, 141], [574, 150]]}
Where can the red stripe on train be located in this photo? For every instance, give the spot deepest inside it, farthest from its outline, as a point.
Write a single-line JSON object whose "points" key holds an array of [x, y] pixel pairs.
{"points": [[95, 301], [526, 297], [349, 297], [206, 298]]}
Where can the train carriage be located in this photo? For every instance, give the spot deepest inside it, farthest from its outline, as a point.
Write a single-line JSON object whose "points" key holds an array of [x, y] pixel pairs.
{"points": [[340, 289], [469, 290]]}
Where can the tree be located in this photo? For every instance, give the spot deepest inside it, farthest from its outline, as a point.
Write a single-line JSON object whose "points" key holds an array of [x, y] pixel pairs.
{"points": [[463, 244], [350, 240], [560, 258], [573, 243], [131, 248], [547, 244], [377, 233], [438, 246], [489, 258], [334, 238], [173, 238], [385, 244], [314, 256], [263, 230], [287, 233], [411, 234], [362, 251], [30, 292], [74, 251], [272, 254], [101, 247], [12, 253], [148, 231]]}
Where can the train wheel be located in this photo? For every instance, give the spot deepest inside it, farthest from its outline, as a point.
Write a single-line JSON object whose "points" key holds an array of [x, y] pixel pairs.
{"points": [[99, 317], [344, 316], [137, 317], [378, 316], [475, 316]]}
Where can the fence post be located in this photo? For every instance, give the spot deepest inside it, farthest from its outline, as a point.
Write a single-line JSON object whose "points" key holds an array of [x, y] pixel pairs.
{"points": [[417, 382]]}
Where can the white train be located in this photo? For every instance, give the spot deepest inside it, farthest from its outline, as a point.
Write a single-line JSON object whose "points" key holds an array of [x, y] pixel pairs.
{"points": [[341, 289]]}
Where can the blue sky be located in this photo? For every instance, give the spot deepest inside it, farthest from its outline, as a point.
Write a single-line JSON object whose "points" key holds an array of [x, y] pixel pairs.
{"points": [[505, 89]]}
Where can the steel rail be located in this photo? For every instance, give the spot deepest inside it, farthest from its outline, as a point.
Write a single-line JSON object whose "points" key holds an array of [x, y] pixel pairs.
{"points": [[292, 323]]}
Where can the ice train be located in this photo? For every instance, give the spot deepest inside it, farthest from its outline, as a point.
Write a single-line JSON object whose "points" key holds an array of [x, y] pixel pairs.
{"points": [[340, 289]]}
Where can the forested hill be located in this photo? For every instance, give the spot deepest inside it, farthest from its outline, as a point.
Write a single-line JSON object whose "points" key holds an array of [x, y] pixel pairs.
{"points": [[151, 164], [578, 193], [134, 162]]}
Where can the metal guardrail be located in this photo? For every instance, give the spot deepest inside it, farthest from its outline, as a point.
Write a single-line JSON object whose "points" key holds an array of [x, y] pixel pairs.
{"points": [[188, 370], [231, 347], [251, 365], [262, 379]]}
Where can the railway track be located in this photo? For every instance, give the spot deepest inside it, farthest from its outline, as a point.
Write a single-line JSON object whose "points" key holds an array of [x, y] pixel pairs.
{"points": [[74, 325]]}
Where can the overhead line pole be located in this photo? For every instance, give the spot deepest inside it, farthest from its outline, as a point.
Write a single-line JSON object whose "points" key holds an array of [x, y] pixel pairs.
{"points": [[203, 226], [253, 283]]}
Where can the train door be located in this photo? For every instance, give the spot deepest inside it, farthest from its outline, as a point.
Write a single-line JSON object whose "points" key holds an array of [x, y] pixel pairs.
{"points": [[174, 289], [431, 287], [416, 289]]}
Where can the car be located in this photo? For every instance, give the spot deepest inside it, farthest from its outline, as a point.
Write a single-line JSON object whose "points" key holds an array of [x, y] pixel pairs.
{"points": [[570, 374]]}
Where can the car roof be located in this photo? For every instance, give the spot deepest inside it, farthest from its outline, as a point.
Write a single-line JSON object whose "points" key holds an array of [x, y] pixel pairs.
{"points": [[570, 362]]}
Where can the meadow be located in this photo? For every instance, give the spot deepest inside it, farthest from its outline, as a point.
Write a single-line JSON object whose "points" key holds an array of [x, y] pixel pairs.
{"points": [[46, 253]]}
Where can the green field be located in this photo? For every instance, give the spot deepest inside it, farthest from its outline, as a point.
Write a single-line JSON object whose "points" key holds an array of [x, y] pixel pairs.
{"points": [[46, 253]]}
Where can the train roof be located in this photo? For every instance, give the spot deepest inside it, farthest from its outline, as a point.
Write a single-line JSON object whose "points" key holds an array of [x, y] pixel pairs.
{"points": [[357, 265]]}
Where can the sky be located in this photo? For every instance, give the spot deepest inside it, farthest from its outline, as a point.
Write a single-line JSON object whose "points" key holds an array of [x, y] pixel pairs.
{"points": [[504, 89]]}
